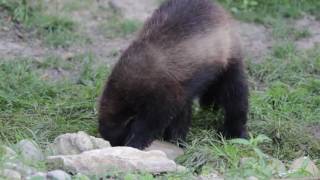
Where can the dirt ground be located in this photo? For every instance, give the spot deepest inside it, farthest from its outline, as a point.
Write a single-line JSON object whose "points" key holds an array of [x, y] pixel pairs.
{"points": [[14, 42]]}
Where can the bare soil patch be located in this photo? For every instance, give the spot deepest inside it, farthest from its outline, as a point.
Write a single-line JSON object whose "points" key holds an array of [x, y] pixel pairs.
{"points": [[315, 130], [256, 39], [313, 26]]}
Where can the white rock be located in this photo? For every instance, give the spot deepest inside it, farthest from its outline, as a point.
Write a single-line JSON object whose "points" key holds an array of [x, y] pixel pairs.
{"points": [[171, 150], [305, 163], [99, 143], [252, 178], [30, 150], [37, 176], [58, 175], [76, 143], [100, 161], [82, 141], [23, 169], [10, 174]]}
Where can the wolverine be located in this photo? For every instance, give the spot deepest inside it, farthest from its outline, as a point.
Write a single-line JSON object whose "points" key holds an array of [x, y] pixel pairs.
{"points": [[187, 49]]}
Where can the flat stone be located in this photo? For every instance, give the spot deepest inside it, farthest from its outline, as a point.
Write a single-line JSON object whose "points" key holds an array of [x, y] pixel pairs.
{"points": [[30, 150], [171, 150], [58, 175], [100, 161], [307, 164], [99, 143], [76, 143], [37, 176], [23, 169]]}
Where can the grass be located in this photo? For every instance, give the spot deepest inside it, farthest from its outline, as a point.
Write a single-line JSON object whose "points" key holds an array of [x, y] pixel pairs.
{"points": [[284, 104], [70, 6], [284, 101], [37, 108], [260, 11], [284, 30], [290, 103], [56, 31], [117, 26]]}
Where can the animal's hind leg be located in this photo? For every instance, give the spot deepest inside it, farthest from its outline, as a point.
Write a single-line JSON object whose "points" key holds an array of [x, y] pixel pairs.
{"points": [[179, 126], [208, 98], [233, 97]]}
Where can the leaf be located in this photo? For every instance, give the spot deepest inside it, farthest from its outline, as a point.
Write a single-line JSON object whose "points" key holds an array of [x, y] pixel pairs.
{"points": [[240, 141], [259, 153], [262, 138]]}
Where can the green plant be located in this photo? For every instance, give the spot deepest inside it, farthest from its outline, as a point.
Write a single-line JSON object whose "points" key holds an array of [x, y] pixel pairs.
{"points": [[116, 26], [55, 30], [19, 9], [36, 108], [227, 155], [261, 10]]}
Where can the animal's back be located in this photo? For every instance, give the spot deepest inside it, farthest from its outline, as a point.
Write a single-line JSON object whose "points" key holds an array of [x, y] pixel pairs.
{"points": [[185, 35], [177, 42], [177, 20]]}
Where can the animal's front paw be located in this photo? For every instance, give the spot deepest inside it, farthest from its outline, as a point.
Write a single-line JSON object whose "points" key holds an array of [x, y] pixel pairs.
{"points": [[138, 141]]}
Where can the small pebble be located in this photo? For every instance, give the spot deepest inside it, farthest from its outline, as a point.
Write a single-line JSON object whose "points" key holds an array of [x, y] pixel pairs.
{"points": [[58, 175]]}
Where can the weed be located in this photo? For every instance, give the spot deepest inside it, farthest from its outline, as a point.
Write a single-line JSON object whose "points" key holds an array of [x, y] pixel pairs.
{"points": [[55, 30], [226, 156], [283, 29], [19, 9], [32, 107], [54, 62], [260, 10], [289, 103], [70, 6], [117, 26], [284, 101]]}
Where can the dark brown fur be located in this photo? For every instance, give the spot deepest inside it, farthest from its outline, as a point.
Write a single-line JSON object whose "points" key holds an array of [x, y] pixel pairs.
{"points": [[187, 49]]}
